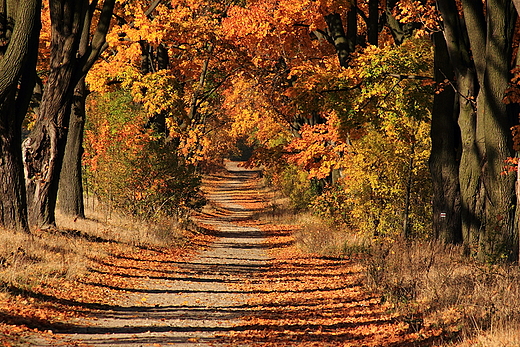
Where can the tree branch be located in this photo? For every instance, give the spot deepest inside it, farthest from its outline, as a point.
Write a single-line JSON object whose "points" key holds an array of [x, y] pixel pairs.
{"points": [[99, 40], [346, 89], [408, 77], [11, 63]]}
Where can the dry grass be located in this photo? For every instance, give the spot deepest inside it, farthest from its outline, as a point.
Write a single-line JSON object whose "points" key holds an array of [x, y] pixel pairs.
{"points": [[320, 238], [28, 260], [493, 338], [432, 286]]}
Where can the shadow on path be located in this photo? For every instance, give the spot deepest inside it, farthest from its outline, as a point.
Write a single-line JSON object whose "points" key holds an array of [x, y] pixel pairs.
{"points": [[192, 303]]}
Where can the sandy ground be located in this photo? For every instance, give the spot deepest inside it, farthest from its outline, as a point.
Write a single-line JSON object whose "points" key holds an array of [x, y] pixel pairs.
{"points": [[196, 304]]}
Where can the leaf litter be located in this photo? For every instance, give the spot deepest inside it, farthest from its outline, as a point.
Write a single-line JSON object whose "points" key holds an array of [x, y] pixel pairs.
{"points": [[296, 299]]}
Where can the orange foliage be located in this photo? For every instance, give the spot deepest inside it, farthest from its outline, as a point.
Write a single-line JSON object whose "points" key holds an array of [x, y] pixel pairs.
{"points": [[320, 149]]}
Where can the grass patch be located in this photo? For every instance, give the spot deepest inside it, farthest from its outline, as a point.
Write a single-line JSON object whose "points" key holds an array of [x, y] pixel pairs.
{"points": [[51, 275], [432, 286], [436, 287], [323, 239], [26, 260]]}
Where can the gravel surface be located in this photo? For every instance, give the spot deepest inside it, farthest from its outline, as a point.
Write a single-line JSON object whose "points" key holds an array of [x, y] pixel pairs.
{"points": [[199, 303]]}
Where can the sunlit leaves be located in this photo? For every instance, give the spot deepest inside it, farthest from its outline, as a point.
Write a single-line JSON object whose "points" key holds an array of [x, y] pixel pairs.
{"points": [[320, 148], [157, 92], [273, 29], [424, 12], [130, 168]]}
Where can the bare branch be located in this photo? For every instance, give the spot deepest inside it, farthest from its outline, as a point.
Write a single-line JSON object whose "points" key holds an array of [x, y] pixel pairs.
{"points": [[346, 89], [152, 7]]}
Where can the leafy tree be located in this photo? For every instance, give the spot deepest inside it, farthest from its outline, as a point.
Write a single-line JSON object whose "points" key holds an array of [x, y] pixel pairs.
{"points": [[174, 59], [132, 169]]}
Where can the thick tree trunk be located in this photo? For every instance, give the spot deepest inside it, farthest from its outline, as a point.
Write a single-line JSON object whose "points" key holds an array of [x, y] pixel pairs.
{"points": [[467, 88], [493, 130], [445, 152], [70, 190], [488, 198], [13, 213], [70, 185], [473, 150], [44, 148], [17, 71]]}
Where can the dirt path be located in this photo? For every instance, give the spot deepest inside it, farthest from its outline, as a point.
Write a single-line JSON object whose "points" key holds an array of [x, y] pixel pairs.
{"points": [[250, 287], [200, 300]]}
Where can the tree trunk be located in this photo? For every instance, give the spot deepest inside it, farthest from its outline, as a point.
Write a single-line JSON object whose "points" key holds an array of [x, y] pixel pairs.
{"points": [[17, 78], [466, 87], [473, 150], [493, 130], [407, 231], [488, 199], [337, 33], [70, 190], [445, 152], [373, 22], [45, 146], [70, 187], [352, 26]]}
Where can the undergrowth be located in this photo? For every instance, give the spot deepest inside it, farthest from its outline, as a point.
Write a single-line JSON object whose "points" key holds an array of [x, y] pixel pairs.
{"points": [[439, 288], [432, 286], [27, 260]]}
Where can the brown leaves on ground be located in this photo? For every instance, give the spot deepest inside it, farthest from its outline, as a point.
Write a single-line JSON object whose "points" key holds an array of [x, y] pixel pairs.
{"points": [[50, 305], [307, 300], [300, 300]]}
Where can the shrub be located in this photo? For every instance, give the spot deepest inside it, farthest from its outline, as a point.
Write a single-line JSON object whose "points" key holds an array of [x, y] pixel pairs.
{"points": [[131, 168], [293, 184]]}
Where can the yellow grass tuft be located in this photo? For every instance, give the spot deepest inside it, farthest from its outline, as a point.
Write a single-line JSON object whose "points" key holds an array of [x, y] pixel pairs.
{"points": [[28, 260]]}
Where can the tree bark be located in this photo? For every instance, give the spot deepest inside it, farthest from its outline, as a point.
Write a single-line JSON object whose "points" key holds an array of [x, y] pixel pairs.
{"points": [[70, 189], [445, 151], [352, 26], [493, 130], [488, 198], [373, 22], [471, 34], [466, 86], [20, 31], [337, 33], [44, 148]]}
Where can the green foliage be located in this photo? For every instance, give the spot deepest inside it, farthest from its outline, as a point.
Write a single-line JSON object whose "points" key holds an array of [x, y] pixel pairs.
{"points": [[133, 169], [334, 206], [387, 122], [293, 184]]}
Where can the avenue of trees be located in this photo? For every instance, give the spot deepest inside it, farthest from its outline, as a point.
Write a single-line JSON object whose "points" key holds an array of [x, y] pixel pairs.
{"points": [[391, 117]]}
